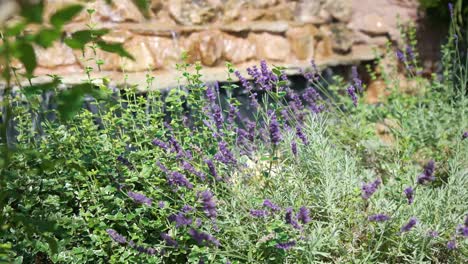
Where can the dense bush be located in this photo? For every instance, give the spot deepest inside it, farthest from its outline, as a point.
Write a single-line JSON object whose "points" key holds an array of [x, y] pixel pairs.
{"points": [[194, 177]]}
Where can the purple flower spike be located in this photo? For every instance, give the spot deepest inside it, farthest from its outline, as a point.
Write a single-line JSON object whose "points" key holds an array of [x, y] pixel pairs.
{"points": [[465, 135], [178, 179], [357, 81], [116, 236], [258, 213], [169, 240], [140, 198], [290, 219], [300, 134], [160, 144], [162, 204], [294, 148], [409, 192], [378, 218], [370, 188], [224, 155], [210, 94], [286, 245], [401, 56], [202, 238], [180, 219], [209, 205], [352, 93], [275, 134], [428, 174], [304, 215], [272, 206], [212, 169], [452, 244], [408, 226], [463, 230], [450, 7]]}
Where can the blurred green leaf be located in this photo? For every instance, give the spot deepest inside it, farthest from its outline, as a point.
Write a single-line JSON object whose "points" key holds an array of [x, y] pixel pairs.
{"points": [[71, 100], [64, 15], [116, 48], [79, 39], [46, 37], [15, 29], [25, 53], [143, 6], [31, 11]]}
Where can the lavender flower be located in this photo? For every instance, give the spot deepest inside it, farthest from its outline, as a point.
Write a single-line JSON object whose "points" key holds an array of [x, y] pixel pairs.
{"points": [[370, 188], [162, 167], [212, 169], [209, 205], [303, 215], [187, 208], [357, 81], [160, 144], [428, 174], [232, 113], [251, 130], [408, 226], [224, 155], [180, 219], [286, 245], [176, 147], [210, 94], [140, 198], [465, 135], [218, 117], [352, 93], [201, 237], [189, 168], [294, 148], [243, 81], [258, 213], [116, 236], [162, 204], [409, 192], [275, 134], [466, 220], [178, 179], [290, 219], [401, 56], [169, 240], [378, 218], [272, 206], [433, 233], [301, 135], [463, 230], [452, 244], [450, 7]]}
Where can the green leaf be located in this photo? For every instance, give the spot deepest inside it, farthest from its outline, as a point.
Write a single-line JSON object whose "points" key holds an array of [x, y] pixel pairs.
{"points": [[79, 39], [143, 6], [32, 10], [33, 90], [64, 15], [116, 48], [53, 245], [46, 37], [71, 100], [16, 29], [27, 56]]}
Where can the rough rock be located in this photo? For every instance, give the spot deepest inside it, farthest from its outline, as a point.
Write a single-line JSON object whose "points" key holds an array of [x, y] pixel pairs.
{"points": [[117, 36], [282, 12], [387, 10], [52, 6], [342, 37], [237, 50], [206, 46], [362, 38], [57, 55], [271, 47], [166, 51], [117, 11], [187, 12], [269, 26], [263, 3], [312, 12], [372, 24], [341, 10], [232, 10], [302, 41]]}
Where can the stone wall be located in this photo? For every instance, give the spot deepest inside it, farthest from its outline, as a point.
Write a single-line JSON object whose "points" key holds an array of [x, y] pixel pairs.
{"points": [[284, 32]]}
